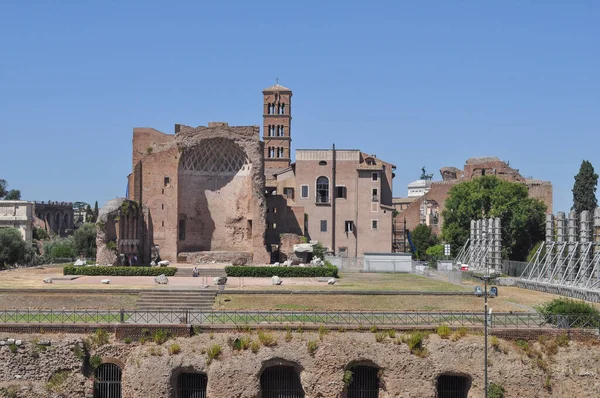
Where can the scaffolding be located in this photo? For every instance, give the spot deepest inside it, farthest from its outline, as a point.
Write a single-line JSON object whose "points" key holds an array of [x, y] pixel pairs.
{"points": [[482, 252]]}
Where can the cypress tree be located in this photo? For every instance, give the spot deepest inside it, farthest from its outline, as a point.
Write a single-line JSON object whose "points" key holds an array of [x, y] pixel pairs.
{"points": [[584, 189], [96, 211]]}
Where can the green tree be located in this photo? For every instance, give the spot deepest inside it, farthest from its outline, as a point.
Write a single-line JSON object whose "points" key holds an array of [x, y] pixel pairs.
{"points": [[13, 248], [584, 189], [522, 217], [96, 211], [61, 248], [13, 194], [84, 240], [40, 234], [423, 238]]}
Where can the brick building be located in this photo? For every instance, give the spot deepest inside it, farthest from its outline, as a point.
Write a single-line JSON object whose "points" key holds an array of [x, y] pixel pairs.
{"points": [[341, 198], [56, 217], [428, 208]]}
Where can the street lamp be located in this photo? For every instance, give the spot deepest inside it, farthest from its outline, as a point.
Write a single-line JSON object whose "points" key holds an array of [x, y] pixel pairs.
{"points": [[493, 293]]}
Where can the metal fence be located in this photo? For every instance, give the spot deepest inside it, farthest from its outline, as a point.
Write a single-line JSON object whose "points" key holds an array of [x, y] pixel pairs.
{"points": [[282, 318], [347, 264]]}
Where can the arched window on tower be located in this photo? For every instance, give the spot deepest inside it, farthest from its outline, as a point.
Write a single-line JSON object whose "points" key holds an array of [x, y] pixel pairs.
{"points": [[322, 190]]}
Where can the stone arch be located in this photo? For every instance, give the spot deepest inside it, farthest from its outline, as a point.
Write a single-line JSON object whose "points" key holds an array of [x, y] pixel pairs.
{"points": [[107, 380], [362, 379], [188, 382], [452, 385], [280, 378], [214, 184]]}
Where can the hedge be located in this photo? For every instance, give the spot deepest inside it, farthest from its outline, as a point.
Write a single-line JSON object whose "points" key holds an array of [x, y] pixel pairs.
{"points": [[119, 271], [266, 272]]}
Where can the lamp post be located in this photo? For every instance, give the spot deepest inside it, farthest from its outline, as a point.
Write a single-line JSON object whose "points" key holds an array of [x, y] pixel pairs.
{"points": [[486, 278]]}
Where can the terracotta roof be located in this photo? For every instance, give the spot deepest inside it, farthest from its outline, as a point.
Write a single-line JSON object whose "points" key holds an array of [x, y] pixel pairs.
{"points": [[277, 87]]}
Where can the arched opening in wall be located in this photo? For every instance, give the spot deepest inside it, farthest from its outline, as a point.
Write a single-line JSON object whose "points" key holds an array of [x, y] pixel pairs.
{"points": [[453, 386], [57, 223], [215, 195], [281, 382], [191, 385], [362, 381], [66, 221], [107, 381], [322, 190]]}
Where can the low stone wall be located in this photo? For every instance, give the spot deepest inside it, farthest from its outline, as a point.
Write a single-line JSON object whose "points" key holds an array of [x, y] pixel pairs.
{"points": [[208, 257], [151, 370], [568, 291]]}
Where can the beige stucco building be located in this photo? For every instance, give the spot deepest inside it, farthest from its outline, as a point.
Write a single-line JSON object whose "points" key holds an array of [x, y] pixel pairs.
{"points": [[18, 214]]}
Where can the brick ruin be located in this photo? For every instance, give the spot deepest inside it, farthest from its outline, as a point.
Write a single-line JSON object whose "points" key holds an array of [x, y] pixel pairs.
{"points": [[200, 192], [474, 167]]}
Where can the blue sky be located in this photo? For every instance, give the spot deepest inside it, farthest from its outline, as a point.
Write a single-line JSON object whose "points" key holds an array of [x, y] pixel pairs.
{"points": [[416, 83]]}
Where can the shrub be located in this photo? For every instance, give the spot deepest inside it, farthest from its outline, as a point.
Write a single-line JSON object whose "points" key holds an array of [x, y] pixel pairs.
{"points": [[312, 347], [284, 272], [77, 351], [267, 339], [95, 361], [495, 391], [585, 314], [443, 331], [119, 271], [174, 349], [160, 336], [127, 340], [13, 348], [84, 240], [59, 248], [196, 330], [239, 343], [213, 352]]}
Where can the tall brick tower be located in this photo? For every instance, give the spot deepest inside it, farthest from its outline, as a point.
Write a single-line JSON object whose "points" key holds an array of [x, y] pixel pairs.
{"points": [[277, 121]]}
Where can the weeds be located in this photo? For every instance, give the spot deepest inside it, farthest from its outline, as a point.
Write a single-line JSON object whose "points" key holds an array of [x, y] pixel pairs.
{"points": [[562, 340], [240, 343], [548, 383], [459, 333], [196, 330], [322, 332], [57, 380], [100, 337], [161, 336], [288, 335], [347, 379], [312, 347], [78, 352], [267, 339], [95, 361], [213, 352], [495, 391], [414, 341], [391, 333], [443, 331], [254, 346], [127, 340], [13, 348], [380, 336], [174, 349], [373, 329], [495, 343]]}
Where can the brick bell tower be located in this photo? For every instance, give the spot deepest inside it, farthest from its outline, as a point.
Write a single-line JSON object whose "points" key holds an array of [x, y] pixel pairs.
{"points": [[277, 121]]}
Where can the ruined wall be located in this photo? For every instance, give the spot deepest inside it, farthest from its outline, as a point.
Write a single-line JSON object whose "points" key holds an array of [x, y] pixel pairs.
{"points": [[151, 371]]}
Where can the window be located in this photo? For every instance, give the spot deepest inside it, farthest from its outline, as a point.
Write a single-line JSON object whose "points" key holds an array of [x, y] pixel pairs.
{"points": [[375, 195], [274, 210], [107, 381], [450, 386], [343, 251], [181, 229], [304, 194], [340, 192], [349, 226], [192, 385], [375, 176], [274, 226], [281, 381], [322, 190], [322, 163], [271, 152], [374, 224], [364, 383], [167, 181], [323, 225], [271, 131], [282, 131], [289, 193], [249, 228]]}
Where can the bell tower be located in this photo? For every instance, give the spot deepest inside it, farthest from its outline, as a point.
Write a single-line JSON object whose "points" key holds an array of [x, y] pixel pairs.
{"points": [[277, 122]]}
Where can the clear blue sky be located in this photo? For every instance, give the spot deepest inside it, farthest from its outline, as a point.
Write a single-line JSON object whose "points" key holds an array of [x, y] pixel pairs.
{"points": [[417, 83]]}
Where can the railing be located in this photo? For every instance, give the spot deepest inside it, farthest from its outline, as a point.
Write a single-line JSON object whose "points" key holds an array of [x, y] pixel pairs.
{"points": [[275, 318]]}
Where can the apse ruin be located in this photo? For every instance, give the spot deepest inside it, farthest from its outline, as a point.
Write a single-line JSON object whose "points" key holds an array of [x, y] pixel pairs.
{"points": [[200, 193]]}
